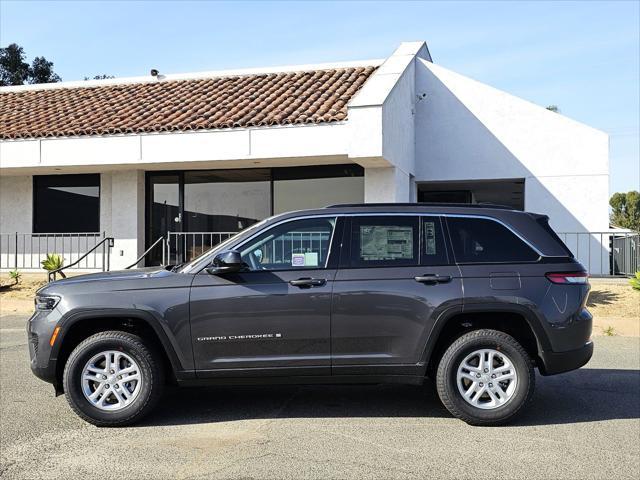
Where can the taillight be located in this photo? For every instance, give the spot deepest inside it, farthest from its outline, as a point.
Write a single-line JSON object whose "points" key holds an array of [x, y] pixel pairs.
{"points": [[568, 278]]}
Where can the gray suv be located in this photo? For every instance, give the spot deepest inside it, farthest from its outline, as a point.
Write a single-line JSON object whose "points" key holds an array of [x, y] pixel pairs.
{"points": [[475, 297]]}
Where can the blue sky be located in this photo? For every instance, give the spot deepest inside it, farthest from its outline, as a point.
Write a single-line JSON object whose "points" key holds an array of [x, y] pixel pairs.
{"points": [[581, 56]]}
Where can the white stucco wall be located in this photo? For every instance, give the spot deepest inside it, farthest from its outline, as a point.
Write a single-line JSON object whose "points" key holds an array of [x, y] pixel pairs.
{"points": [[398, 125], [105, 202], [16, 204], [127, 217], [387, 185], [469, 130], [237, 148], [383, 127]]}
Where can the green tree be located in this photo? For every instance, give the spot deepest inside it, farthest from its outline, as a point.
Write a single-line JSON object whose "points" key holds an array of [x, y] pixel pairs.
{"points": [[100, 77], [626, 210], [13, 69], [41, 71]]}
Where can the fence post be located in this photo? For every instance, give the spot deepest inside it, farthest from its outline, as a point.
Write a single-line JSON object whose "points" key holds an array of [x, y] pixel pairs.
{"points": [[109, 247], [16, 253]]}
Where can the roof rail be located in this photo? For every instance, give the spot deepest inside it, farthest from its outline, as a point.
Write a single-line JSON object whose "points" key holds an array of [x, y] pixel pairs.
{"points": [[423, 204]]}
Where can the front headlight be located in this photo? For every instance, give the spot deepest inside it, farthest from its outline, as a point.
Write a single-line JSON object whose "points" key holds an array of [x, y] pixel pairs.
{"points": [[46, 302]]}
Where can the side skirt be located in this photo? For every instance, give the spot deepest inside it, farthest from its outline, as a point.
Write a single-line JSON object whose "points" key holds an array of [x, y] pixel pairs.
{"points": [[306, 380]]}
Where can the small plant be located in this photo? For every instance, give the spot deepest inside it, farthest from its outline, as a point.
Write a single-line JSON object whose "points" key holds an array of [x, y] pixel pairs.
{"points": [[52, 263], [15, 275], [635, 282], [608, 332]]}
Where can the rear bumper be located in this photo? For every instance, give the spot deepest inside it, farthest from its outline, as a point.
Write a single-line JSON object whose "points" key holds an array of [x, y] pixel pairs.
{"points": [[559, 362]]}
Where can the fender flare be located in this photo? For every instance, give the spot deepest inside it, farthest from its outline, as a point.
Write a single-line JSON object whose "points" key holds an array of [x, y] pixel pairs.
{"points": [[534, 322], [177, 361]]}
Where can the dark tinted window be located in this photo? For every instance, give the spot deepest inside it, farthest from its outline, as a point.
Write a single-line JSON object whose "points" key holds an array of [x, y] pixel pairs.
{"points": [[66, 203], [544, 222], [478, 240], [433, 250], [384, 241]]}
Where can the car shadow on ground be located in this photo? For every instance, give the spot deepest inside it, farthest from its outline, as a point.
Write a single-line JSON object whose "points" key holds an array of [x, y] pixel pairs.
{"points": [[586, 395]]}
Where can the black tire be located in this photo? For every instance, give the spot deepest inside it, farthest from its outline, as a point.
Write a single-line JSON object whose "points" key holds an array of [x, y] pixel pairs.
{"points": [[446, 380], [151, 369]]}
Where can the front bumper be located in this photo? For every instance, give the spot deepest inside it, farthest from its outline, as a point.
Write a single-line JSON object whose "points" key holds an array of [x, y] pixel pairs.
{"points": [[39, 330], [559, 362]]}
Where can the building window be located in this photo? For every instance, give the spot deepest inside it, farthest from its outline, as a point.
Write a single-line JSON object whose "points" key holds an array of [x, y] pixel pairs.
{"points": [[203, 207], [477, 240], [66, 203], [225, 200], [300, 188]]}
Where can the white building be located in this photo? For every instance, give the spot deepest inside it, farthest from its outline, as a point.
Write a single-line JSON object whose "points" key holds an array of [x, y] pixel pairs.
{"points": [[136, 158]]}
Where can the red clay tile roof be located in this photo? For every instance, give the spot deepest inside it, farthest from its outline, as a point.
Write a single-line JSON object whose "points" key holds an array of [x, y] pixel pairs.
{"points": [[317, 96]]}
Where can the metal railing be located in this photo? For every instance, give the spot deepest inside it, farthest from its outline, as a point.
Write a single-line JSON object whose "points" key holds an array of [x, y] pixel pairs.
{"points": [[608, 253], [185, 246], [162, 242], [25, 251], [106, 243]]}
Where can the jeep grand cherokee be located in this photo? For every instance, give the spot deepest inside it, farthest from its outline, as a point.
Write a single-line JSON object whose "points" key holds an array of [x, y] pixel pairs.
{"points": [[475, 297]]}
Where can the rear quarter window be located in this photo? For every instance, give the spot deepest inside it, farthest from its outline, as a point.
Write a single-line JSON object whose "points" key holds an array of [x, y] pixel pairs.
{"points": [[480, 240]]}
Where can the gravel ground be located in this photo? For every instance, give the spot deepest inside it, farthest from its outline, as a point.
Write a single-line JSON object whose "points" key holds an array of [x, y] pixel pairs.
{"points": [[583, 424]]}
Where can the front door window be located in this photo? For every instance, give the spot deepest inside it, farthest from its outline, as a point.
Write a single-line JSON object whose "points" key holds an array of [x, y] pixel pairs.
{"points": [[295, 245]]}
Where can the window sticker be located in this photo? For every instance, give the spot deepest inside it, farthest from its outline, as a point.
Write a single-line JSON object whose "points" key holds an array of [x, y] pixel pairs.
{"points": [[382, 242], [298, 260], [311, 259], [430, 238]]}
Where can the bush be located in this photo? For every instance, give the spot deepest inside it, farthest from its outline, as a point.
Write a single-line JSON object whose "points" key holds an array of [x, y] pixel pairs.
{"points": [[53, 262], [635, 282], [15, 275]]}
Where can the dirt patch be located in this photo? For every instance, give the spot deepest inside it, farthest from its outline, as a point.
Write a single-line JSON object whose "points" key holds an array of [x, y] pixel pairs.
{"points": [[615, 308], [18, 299]]}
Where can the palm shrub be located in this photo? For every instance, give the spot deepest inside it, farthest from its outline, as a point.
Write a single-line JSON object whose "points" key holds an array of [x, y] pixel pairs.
{"points": [[635, 282], [53, 262], [15, 275]]}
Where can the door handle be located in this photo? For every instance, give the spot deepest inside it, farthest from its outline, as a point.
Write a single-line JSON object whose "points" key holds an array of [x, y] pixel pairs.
{"points": [[308, 282], [432, 279]]}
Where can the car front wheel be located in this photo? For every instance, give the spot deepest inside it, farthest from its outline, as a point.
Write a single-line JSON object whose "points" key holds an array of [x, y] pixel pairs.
{"points": [[485, 378], [113, 379]]}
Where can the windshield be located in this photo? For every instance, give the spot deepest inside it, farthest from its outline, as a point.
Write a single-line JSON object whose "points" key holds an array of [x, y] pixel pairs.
{"points": [[203, 259]]}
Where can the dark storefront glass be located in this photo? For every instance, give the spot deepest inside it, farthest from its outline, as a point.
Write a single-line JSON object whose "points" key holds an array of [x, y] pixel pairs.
{"points": [[207, 206], [66, 203]]}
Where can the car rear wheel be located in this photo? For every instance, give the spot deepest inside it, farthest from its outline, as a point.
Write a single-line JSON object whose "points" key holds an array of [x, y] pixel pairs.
{"points": [[485, 378], [113, 379]]}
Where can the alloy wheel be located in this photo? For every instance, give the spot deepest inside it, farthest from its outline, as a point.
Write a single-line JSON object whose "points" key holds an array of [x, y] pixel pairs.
{"points": [[111, 380], [487, 379]]}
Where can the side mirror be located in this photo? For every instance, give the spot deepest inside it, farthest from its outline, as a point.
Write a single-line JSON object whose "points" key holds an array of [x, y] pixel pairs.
{"points": [[229, 261]]}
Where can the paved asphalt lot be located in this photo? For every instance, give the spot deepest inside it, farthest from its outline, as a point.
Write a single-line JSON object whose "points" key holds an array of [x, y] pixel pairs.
{"points": [[584, 424]]}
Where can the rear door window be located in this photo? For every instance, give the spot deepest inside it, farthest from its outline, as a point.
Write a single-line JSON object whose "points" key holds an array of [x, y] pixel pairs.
{"points": [[378, 241], [480, 240]]}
